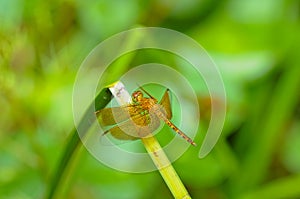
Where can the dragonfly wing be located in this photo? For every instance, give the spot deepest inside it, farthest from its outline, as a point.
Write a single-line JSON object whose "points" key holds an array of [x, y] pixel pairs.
{"points": [[146, 124], [110, 116], [118, 132], [166, 104], [135, 128]]}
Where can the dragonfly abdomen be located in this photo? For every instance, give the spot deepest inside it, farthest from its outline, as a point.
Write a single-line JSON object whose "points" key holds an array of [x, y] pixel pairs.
{"points": [[176, 129]]}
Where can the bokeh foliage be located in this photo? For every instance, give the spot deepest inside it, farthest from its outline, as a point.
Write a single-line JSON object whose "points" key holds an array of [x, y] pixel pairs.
{"points": [[255, 44]]}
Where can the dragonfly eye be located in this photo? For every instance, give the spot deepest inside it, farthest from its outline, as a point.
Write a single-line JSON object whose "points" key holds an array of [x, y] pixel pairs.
{"points": [[137, 96]]}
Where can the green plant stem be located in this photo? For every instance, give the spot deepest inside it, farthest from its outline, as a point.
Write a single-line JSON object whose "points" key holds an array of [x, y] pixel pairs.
{"points": [[165, 168], [101, 100], [155, 151]]}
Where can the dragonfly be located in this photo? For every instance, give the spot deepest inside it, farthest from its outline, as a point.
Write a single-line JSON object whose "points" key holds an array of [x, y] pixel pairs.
{"points": [[139, 118]]}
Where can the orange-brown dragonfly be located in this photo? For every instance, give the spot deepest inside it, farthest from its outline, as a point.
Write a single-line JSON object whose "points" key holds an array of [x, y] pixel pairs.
{"points": [[139, 118]]}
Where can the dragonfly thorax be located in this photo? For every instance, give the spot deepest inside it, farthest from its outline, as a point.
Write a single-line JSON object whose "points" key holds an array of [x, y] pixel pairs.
{"points": [[137, 96]]}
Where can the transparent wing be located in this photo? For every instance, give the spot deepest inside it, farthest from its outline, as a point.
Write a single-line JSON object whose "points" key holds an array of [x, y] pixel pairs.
{"points": [[136, 127], [113, 115], [166, 104]]}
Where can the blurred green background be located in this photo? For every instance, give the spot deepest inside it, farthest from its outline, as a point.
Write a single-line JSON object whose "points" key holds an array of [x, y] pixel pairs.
{"points": [[255, 44]]}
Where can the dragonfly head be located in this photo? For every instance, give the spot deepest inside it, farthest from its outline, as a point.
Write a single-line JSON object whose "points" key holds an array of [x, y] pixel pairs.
{"points": [[137, 96]]}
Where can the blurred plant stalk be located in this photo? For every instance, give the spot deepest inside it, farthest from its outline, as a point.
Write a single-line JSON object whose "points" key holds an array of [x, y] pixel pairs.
{"points": [[154, 150]]}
